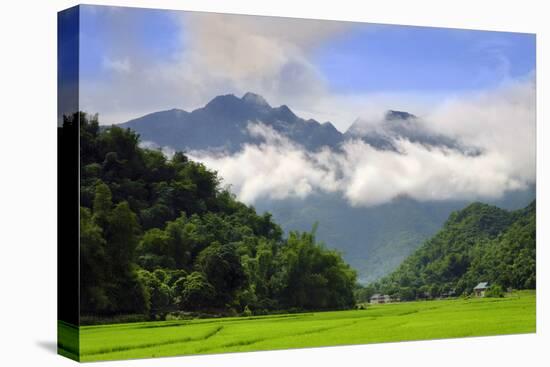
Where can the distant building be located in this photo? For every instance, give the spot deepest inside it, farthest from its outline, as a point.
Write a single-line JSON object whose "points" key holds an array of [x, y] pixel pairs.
{"points": [[375, 298], [480, 289], [380, 298]]}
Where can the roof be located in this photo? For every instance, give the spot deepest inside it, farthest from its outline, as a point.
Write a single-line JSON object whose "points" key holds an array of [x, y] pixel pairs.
{"points": [[482, 285], [376, 295]]}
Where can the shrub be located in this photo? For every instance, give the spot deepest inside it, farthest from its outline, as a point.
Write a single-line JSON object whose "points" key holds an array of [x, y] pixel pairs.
{"points": [[495, 291]]}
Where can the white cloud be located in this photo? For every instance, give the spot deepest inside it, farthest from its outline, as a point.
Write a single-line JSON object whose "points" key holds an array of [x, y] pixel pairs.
{"points": [[501, 124], [276, 168]]}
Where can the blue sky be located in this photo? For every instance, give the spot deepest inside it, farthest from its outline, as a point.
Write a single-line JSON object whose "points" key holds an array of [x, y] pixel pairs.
{"points": [[135, 61], [388, 58], [155, 32]]}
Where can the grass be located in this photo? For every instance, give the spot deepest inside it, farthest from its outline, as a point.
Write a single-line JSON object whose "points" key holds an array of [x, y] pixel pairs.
{"points": [[379, 323]]}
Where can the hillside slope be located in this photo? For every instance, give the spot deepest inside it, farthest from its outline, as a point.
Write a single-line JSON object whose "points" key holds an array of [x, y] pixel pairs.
{"points": [[481, 243]]}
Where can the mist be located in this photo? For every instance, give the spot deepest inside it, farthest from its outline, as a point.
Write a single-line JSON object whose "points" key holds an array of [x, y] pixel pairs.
{"points": [[500, 124]]}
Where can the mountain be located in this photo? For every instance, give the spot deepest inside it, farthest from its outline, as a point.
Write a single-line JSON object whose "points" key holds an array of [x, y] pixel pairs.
{"points": [[373, 240], [480, 243], [222, 125], [402, 125]]}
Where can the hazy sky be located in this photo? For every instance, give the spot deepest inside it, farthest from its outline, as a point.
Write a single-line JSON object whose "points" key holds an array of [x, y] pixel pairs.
{"points": [[137, 61]]}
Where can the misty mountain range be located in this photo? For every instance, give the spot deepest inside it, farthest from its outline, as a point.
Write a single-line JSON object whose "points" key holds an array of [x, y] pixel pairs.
{"points": [[372, 239], [222, 125]]}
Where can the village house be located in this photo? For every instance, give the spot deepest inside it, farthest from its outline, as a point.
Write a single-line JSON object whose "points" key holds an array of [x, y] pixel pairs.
{"points": [[380, 298], [480, 289]]}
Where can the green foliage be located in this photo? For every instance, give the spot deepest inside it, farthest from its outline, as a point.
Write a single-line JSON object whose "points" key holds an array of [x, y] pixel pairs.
{"points": [[159, 293], [313, 277], [92, 267], [223, 269], [194, 292], [160, 235], [478, 243], [495, 291]]}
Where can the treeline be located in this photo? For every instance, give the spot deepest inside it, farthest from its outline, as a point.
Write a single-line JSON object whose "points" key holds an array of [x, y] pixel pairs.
{"points": [[162, 236], [480, 243]]}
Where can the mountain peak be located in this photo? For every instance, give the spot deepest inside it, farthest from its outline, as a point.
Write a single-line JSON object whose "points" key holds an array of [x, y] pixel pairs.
{"points": [[225, 98], [285, 113], [255, 99], [398, 115]]}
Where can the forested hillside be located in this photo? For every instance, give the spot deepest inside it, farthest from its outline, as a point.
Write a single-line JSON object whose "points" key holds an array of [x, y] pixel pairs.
{"points": [[161, 235], [480, 243]]}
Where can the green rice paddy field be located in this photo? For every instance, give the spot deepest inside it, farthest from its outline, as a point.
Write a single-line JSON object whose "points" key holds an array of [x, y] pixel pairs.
{"points": [[378, 323]]}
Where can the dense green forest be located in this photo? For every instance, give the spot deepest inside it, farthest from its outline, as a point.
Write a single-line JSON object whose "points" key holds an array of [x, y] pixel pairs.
{"points": [[480, 243], [160, 236]]}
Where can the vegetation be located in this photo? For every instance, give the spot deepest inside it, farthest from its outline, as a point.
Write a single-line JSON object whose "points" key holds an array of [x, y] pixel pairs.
{"points": [[495, 291], [162, 241], [478, 243], [161, 236], [378, 323]]}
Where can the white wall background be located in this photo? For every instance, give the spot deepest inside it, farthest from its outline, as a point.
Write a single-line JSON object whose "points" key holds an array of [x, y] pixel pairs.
{"points": [[28, 182]]}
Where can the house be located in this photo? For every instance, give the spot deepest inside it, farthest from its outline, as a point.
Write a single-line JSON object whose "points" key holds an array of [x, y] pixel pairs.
{"points": [[480, 289], [380, 298], [375, 298]]}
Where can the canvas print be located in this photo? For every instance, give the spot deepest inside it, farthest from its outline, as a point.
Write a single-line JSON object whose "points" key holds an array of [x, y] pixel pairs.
{"points": [[233, 183]]}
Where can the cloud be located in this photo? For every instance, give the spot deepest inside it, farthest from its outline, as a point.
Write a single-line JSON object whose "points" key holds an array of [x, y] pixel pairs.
{"points": [[166, 150], [217, 54], [501, 124], [220, 54], [237, 53], [276, 168]]}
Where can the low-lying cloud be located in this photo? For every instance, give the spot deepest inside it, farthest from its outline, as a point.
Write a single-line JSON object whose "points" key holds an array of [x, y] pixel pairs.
{"points": [[501, 124]]}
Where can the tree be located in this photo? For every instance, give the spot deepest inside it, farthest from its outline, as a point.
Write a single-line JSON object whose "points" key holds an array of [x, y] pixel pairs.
{"points": [[154, 250], [93, 265], [122, 237], [102, 204], [159, 292], [194, 291], [495, 291], [222, 268], [313, 277]]}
